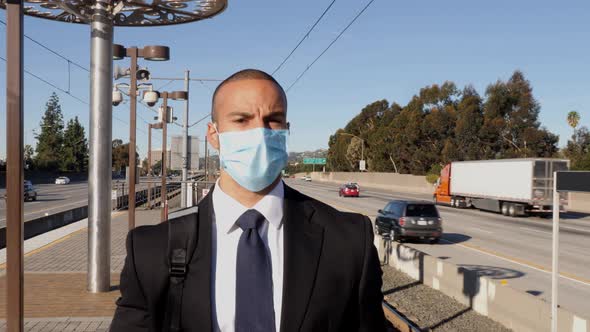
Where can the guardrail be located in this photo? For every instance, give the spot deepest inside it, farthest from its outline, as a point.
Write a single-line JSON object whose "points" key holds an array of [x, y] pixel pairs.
{"points": [[515, 309], [141, 196], [47, 223]]}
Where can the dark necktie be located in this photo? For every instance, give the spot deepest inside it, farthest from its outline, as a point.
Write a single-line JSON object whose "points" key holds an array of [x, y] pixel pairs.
{"points": [[254, 301]]}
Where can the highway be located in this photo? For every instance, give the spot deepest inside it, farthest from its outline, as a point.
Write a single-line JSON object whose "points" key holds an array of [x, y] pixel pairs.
{"points": [[53, 198], [515, 250]]}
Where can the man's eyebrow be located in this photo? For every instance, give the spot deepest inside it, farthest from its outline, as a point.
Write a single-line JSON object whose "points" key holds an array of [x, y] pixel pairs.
{"points": [[276, 114], [244, 114]]}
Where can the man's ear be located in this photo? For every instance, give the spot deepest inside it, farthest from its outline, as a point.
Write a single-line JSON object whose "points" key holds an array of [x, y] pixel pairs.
{"points": [[289, 127], [212, 136]]}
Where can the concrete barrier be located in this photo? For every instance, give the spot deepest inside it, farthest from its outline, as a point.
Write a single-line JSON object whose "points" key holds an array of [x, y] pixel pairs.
{"points": [[480, 288], [47, 223], [578, 202], [388, 181]]}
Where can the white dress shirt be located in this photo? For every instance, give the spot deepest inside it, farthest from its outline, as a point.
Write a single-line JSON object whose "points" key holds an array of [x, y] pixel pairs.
{"points": [[225, 237]]}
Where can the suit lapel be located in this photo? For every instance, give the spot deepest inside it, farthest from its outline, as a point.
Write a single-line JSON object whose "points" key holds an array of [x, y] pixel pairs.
{"points": [[302, 248], [200, 307]]}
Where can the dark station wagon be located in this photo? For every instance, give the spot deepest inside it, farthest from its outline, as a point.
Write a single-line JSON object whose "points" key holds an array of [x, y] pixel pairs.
{"points": [[402, 219]]}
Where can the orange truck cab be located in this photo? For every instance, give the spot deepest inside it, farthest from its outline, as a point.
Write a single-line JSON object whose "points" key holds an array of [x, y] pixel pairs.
{"points": [[442, 193]]}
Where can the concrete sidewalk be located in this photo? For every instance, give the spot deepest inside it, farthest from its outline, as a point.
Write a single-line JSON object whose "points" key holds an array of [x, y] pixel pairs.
{"points": [[55, 281]]}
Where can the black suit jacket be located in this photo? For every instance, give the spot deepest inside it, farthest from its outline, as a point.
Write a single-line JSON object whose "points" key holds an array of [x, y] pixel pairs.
{"points": [[332, 275]]}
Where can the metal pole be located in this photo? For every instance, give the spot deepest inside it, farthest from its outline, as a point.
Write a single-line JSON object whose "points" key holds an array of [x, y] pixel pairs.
{"points": [[555, 254], [99, 174], [362, 149], [149, 168], [206, 160], [185, 141], [14, 167], [132, 52], [163, 191]]}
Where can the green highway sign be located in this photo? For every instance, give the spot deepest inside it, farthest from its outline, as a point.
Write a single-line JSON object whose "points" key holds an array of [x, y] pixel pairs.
{"points": [[315, 161]]}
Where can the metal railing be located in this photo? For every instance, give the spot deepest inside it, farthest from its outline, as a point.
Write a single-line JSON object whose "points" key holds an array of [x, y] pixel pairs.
{"points": [[141, 196], [173, 188], [399, 320]]}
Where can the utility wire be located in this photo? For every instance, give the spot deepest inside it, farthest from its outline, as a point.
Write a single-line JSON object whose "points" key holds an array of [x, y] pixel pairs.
{"points": [[332, 43], [166, 84], [70, 94], [52, 85], [201, 119], [54, 52], [304, 37], [71, 62]]}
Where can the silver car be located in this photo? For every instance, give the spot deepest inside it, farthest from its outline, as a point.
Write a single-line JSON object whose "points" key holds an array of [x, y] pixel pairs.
{"points": [[409, 219], [62, 180]]}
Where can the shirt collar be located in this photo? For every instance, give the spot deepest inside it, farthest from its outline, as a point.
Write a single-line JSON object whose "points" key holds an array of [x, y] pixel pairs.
{"points": [[228, 210]]}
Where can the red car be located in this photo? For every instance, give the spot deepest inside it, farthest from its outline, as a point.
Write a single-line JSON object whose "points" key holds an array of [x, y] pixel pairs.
{"points": [[349, 190]]}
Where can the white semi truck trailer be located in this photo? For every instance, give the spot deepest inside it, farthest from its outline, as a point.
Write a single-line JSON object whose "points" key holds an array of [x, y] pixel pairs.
{"points": [[513, 187]]}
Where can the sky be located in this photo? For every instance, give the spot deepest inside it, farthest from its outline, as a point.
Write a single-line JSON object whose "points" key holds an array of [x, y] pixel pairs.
{"points": [[391, 51]]}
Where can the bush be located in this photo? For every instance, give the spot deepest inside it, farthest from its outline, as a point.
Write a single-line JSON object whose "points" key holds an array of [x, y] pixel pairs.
{"points": [[431, 178]]}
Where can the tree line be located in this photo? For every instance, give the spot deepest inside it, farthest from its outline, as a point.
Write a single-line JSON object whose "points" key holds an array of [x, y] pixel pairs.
{"points": [[58, 147], [443, 123], [65, 148]]}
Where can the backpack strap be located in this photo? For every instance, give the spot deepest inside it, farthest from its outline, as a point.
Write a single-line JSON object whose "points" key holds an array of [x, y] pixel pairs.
{"points": [[182, 241]]}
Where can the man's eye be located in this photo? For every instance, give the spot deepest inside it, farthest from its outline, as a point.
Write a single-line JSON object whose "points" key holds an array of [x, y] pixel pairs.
{"points": [[240, 120]]}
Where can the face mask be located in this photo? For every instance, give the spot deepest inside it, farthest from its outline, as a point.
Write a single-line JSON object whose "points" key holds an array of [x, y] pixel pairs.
{"points": [[254, 158]]}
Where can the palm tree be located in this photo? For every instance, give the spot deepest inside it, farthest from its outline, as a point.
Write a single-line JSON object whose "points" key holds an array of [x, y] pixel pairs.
{"points": [[573, 118]]}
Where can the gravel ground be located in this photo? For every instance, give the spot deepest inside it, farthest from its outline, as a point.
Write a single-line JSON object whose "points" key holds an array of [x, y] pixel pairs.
{"points": [[430, 309]]}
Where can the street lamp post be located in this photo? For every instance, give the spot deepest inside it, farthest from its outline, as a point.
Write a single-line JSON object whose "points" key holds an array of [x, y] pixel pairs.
{"points": [[165, 118], [150, 173], [101, 16], [185, 126], [163, 188], [153, 53], [99, 190], [14, 166], [185, 142]]}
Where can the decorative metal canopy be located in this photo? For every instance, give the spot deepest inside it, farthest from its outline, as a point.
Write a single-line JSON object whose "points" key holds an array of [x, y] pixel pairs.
{"points": [[126, 12]]}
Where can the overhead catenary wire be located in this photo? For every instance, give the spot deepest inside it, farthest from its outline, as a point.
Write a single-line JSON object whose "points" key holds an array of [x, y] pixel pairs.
{"points": [[165, 85], [330, 45], [51, 84], [201, 119], [304, 37], [54, 52], [71, 95], [72, 62]]}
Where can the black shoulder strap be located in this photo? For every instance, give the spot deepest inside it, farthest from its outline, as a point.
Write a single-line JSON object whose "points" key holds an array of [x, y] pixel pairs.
{"points": [[182, 241]]}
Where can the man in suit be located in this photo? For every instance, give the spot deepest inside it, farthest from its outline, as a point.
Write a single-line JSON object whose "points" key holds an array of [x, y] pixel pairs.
{"points": [[268, 258]]}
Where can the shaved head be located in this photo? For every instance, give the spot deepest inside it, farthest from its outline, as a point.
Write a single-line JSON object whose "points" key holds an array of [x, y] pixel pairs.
{"points": [[246, 74]]}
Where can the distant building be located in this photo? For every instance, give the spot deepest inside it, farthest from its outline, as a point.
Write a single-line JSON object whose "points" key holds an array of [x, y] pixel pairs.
{"points": [[193, 153], [157, 156]]}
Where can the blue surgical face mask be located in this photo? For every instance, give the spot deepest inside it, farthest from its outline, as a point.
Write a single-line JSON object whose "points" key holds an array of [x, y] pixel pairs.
{"points": [[254, 158]]}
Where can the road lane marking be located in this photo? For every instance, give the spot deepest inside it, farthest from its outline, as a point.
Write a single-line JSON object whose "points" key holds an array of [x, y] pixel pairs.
{"points": [[50, 208], [477, 229], [535, 230], [521, 262], [574, 229], [518, 261], [388, 195]]}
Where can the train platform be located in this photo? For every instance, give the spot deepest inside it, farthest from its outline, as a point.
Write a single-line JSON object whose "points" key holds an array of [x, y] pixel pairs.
{"points": [[55, 295]]}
